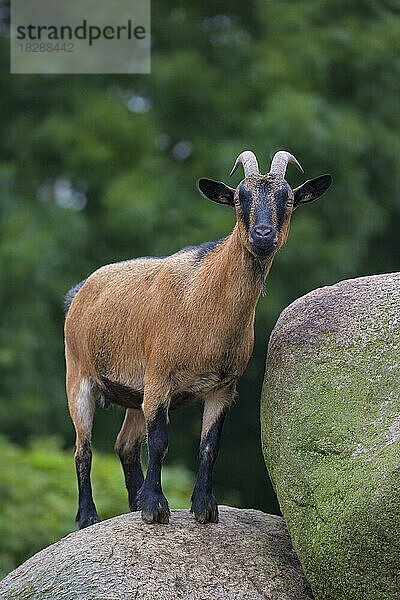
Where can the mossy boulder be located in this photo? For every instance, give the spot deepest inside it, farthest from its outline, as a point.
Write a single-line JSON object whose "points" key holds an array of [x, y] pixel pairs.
{"points": [[331, 435], [248, 555]]}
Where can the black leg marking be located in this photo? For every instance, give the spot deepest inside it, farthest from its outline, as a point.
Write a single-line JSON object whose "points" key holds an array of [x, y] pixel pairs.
{"points": [[204, 504], [151, 500], [133, 473], [87, 514]]}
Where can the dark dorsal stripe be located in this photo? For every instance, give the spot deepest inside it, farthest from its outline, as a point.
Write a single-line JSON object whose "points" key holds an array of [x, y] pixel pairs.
{"points": [[70, 295]]}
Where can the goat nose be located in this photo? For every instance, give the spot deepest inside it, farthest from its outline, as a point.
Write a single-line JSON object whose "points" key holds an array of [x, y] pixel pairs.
{"points": [[263, 231]]}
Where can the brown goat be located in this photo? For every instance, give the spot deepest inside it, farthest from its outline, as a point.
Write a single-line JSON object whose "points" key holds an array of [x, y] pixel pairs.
{"points": [[151, 334]]}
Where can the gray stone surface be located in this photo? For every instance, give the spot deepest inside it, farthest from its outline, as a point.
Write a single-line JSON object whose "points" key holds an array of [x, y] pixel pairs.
{"points": [[246, 556], [331, 435]]}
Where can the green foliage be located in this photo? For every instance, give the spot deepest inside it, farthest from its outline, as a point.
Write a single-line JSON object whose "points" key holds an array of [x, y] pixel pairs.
{"points": [[38, 495]]}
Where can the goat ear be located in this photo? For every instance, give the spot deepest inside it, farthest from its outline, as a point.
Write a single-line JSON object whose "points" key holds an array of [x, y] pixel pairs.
{"points": [[216, 191], [311, 190]]}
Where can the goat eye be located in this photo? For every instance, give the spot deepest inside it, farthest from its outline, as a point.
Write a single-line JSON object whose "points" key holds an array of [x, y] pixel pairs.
{"points": [[244, 196]]}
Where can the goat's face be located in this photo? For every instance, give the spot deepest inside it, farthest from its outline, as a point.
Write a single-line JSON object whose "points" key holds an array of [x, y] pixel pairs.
{"points": [[263, 208], [264, 203]]}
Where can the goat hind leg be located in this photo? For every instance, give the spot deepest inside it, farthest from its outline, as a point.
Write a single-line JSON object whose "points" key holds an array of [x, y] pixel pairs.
{"points": [[81, 406], [128, 446]]}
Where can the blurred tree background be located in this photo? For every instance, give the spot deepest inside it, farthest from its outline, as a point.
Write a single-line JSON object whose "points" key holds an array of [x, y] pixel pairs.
{"points": [[95, 169]]}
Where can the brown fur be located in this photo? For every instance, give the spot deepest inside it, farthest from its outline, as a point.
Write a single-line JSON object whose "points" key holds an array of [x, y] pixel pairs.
{"points": [[172, 325], [170, 330]]}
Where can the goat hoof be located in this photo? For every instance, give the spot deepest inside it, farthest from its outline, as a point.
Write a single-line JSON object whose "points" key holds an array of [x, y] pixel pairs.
{"points": [[154, 508], [156, 516], [88, 520], [205, 508]]}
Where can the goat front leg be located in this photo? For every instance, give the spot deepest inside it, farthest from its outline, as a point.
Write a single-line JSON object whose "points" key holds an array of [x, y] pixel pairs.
{"points": [[151, 500], [204, 504]]}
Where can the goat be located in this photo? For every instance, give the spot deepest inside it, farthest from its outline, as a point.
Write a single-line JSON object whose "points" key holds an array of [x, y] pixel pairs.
{"points": [[151, 334]]}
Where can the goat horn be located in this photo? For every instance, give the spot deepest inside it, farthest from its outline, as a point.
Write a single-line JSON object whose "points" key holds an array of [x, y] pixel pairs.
{"points": [[249, 161], [280, 162]]}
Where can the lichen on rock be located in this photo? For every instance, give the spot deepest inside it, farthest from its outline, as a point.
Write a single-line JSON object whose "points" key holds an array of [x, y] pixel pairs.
{"points": [[330, 415]]}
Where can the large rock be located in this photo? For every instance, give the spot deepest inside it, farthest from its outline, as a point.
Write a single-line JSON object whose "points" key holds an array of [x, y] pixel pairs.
{"points": [[331, 435], [247, 555]]}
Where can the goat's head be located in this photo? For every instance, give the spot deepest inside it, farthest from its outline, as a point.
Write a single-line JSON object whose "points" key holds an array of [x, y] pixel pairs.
{"points": [[264, 203]]}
